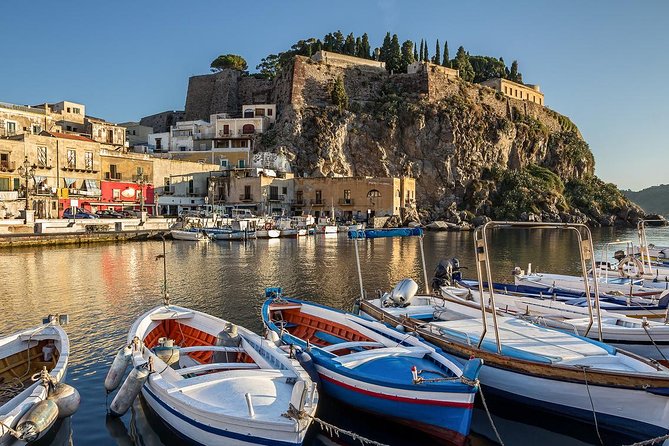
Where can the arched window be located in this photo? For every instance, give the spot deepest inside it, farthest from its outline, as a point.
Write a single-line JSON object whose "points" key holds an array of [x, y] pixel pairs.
{"points": [[248, 129], [248, 113], [373, 193]]}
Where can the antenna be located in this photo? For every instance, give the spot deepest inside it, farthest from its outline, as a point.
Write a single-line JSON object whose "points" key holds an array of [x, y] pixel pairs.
{"points": [[166, 295], [357, 262], [422, 256]]}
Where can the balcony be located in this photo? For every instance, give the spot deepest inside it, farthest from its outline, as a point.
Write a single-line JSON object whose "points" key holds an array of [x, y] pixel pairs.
{"points": [[246, 198], [346, 202], [140, 178], [277, 198], [7, 166], [112, 176], [9, 195], [316, 203], [299, 202]]}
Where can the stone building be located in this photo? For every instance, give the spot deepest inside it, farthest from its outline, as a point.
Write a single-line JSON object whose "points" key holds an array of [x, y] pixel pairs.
{"points": [[161, 122], [126, 183], [346, 61], [18, 119], [429, 67], [181, 185], [136, 135], [514, 90]]}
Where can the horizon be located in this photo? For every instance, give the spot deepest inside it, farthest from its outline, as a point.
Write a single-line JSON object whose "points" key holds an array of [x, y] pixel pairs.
{"points": [[136, 62]]}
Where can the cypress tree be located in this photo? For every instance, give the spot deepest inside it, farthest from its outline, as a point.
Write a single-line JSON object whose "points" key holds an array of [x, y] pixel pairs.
{"points": [[365, 47], [394, 61], [514, 75], [426, 55], [422, 48], [349, 45], [407, 55], [358, 47], [437, 54], [447, 60], [463, 64], [415, 52], [338, 42], [384, 52]]}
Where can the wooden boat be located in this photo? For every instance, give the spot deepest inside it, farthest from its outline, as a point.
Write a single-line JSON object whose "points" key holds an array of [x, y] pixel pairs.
{"points": [[215, 383], [623, 396], [24, 357], [368, 365], [189, 235]]}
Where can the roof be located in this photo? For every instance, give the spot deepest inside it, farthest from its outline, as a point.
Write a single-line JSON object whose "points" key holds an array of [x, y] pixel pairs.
{"points": [[69, 136]]}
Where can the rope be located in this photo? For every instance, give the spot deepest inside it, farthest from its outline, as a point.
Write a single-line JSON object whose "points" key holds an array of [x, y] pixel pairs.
{"points": [[331, 429], [644, 324], [592, 405], [9, 429], [651, 441], [487, 411]]}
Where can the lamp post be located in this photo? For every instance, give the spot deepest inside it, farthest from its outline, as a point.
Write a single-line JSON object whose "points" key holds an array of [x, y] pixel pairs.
{"points": [[26, 171], [141, 181]]}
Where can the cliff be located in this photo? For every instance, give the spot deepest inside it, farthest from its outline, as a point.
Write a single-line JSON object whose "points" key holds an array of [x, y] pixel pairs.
{"points": [[473, 151]]}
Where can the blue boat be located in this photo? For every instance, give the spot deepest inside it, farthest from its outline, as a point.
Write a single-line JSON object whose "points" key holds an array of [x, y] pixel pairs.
{"points": [[378, 369], [379, 233]]}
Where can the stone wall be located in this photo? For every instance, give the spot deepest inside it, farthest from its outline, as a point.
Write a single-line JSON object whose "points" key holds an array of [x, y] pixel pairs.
{"points": [[161, 122]]}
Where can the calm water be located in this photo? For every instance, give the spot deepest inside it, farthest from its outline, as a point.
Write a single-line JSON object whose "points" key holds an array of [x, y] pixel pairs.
{"points": [[105, 287]]}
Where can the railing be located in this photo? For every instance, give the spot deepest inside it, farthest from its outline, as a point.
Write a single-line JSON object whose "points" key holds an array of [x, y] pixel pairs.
{"points": [[298, 202], [112, 176], [245, 197], [140, 178], [317, 203], [9, 195], [23, 108], [7, 166], [280, 197], [346, 202]]}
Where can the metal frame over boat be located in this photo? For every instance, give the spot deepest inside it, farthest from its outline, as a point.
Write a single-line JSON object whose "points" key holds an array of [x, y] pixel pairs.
{"points": [[618, 393], [378, 369], [22, 356], [213, 392]]}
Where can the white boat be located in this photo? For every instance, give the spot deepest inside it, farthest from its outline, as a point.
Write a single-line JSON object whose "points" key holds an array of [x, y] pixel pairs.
{"points": [[268, 233], [301, 232], [621, 395], [33, 362], [216, 383], [192, 235]]}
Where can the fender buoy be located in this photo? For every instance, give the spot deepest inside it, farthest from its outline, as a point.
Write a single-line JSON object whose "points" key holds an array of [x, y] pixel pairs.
{"points": [[627, 273]]}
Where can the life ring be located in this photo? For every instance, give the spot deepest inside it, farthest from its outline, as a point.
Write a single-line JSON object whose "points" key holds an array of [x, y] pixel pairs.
{"points": [[626, 272], [268, 226]]}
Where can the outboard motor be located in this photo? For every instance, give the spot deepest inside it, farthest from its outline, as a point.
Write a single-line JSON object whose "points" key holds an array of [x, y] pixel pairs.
{"points": [[402, 294], [446, 273]]}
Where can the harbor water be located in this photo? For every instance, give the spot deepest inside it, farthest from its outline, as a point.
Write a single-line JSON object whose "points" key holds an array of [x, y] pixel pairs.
{"points": [[105, 287]]}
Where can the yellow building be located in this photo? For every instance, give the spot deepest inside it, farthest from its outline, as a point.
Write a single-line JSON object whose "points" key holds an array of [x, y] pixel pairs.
{"points": [[530, 93]]}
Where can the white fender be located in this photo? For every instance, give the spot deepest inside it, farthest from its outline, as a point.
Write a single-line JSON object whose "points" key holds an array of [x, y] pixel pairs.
{"points": [[129, 391], [37, 421], [117, 369], [66, 398]]}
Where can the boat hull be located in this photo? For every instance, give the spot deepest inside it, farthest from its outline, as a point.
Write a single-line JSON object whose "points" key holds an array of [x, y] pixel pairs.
{"points": [[190, 236]]}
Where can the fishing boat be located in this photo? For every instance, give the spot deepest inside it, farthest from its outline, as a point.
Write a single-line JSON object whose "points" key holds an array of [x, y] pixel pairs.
{"points": [[214, 382], [378, 369], [623, 397], [33, 364], [379, 233], [193, 235], [268, 233]]}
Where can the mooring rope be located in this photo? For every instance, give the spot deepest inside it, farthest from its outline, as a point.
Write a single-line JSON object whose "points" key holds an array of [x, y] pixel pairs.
{"points": [[651, 441], [331, 429], [592, 405], [644, 324]]}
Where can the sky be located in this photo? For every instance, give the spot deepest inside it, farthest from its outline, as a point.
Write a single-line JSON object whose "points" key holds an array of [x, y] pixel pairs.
{"points": [[603, 63]]}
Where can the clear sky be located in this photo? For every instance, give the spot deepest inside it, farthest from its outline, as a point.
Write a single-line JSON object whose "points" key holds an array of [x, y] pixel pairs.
{"points": [[603, 63]]}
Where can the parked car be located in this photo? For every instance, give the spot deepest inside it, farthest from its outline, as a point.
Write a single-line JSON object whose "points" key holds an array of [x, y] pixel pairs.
{"points": [[79, 213], [109, 213], [128, 214]]}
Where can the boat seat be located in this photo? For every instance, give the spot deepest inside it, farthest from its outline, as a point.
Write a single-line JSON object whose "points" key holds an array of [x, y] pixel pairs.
{"points": [[329, 338], [359, 358], [216, 366], [351, 345]]}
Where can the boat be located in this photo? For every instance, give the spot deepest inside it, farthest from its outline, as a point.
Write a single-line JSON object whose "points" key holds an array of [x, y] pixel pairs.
{"points": [[268, 233], [33, 365], [213, 382], [622, 396], [378, 233], [194, 235], [378, 369]]}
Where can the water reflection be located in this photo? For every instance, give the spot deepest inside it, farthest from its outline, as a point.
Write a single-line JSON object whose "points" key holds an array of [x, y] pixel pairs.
{"points": [[104, 288]]}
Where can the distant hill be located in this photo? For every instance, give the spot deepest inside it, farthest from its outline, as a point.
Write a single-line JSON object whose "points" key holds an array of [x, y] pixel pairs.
{"points": [[654, 200]]}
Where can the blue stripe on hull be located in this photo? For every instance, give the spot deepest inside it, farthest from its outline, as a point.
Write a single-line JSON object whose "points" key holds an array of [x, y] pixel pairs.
{"points": [[220, 432], [456, 419], [633, 430]]}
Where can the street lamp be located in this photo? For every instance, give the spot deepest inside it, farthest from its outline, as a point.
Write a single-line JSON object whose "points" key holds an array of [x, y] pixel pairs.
{"points": [[26, 171], [141, 181]]}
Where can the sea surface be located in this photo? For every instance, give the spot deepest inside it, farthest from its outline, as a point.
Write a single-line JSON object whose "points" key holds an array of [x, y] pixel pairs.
{"points": [[105, 287]]}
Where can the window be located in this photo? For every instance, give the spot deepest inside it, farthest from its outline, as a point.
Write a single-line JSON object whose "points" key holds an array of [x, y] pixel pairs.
{"points": [[505, 89], [247, 192], [299, 197], [284, 190], [4, 184], [68, 110], [319, 197], [88, 160], [116, 194], [42, 159], [248, 129], [76, 110], [10, 126], [260, 112], [113, 172], [347, 196], [69, 128], [166, 183], [269, 112], [159, 144], [373, 193], [224, 163], [240, 143], [191, 186], [36, 129], [226, 129], [274, 193], [71, 158], [241, 164], [140, 171]]}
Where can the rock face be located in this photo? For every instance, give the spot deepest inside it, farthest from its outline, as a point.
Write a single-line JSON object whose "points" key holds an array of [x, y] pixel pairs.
{"points": [[473, 151]]}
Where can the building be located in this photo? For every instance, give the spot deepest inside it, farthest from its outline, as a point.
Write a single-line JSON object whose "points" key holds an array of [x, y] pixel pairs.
{"points": [[345, 61], [19, 119], [110, 135], [354, 198], [126, 182], [429, 67], [161, 122], [136, 134], [181, 185], [514, 90]]}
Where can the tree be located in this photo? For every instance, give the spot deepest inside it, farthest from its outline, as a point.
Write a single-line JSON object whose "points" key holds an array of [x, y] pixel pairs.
{"points": [[426, 56], [385, 48], [365, 47], [447, 60], [422, 50], [514, 75], [338, 94], [358, 47], [437, 54], [229, 61], [394, 61], [486, 68], [329, 42], [415, 52], [338, 46], [407, 55], [349, 45], [463, 65]]}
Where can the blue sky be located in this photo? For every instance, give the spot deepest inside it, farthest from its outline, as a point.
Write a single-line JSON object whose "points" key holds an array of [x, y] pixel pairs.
{"points": [[602, 63]]}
